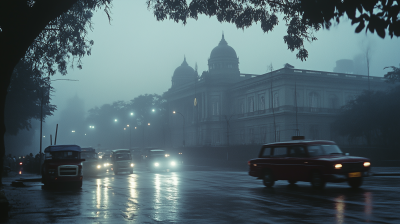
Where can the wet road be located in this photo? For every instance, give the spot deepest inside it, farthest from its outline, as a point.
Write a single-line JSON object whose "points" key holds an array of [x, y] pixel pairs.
{"points": [[203, 195]]}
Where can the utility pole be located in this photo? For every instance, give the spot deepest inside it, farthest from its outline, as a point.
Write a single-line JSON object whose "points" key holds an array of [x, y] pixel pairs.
{"points": [[272, 101]]}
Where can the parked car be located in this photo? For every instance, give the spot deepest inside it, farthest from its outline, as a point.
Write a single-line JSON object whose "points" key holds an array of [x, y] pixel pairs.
{"points": [[159, 159], [121, 161], [92, 165], [317, 162], [62, 164]]}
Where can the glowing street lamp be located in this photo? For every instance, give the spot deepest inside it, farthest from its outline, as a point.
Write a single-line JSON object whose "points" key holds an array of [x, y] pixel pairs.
{"points": [[115, 120]]}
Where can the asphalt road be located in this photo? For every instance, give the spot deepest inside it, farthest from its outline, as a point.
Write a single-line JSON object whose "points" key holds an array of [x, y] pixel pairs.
{"points": [[202, 195]]}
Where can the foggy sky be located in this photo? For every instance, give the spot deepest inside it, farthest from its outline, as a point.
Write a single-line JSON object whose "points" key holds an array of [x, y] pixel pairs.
{"points": [[134, 54]]}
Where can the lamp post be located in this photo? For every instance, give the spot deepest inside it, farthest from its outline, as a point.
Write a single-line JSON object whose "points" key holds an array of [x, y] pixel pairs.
{"points": [[183, 130], [130, 135]]}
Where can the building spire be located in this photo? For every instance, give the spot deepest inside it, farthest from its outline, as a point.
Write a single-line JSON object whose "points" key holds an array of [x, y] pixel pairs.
{"points": [[184, 60], [223, 41]]}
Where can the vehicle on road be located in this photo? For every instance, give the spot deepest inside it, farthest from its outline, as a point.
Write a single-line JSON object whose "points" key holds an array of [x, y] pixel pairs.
{"points": [[159, 159], [62, 164], [121, 161], [314, 161], [92, 165]]}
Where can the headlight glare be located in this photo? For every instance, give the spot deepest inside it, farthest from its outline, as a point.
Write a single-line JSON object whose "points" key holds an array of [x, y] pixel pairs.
{"points": [[132, 164], [98, 166], [338, 166], [173, 163], [156, 164], [367, 164]]}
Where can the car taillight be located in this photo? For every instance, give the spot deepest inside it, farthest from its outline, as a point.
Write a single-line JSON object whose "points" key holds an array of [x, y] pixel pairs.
{"points": [[20, 163]]}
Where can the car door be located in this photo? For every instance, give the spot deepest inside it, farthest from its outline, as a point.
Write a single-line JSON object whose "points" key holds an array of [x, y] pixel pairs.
{"points": [[297, 161], [280, 166]]}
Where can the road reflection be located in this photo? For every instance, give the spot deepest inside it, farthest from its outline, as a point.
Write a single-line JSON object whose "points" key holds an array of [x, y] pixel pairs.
{"points": [[340, 208], [102, 196], [368, 205], [166, 197]]}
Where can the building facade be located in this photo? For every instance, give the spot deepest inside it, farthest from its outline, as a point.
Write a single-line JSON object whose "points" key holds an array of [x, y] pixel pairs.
{"points": [[226, 107]]}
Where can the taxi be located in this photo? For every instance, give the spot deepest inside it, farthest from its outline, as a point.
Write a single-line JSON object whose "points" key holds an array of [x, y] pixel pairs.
{"points": [[314, 161]]}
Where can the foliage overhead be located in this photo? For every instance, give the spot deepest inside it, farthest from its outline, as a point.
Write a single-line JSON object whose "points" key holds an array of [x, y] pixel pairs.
{"points": [[64, 40], [302, 17], [394, 75]]}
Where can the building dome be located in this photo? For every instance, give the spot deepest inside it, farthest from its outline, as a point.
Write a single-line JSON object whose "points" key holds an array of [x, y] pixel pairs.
{"points": [[223, 51], [183, 74], [223, 62]]}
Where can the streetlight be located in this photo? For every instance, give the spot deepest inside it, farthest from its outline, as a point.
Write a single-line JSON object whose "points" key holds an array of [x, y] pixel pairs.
{"points": [[115, 120], [174, 112]]}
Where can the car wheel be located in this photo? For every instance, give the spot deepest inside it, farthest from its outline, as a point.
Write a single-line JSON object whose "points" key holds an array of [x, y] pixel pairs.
{"points": [[317, 182], [292, 181], [355, 182], [268, 179]]}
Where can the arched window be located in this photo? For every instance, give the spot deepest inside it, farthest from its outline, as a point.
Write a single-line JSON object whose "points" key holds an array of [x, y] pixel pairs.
{"points": [[261, 102], [251, 104], [276, 100], [314, 101]]}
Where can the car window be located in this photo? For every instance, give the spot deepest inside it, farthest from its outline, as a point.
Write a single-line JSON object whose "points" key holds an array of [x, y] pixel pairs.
{"points": [[331, 149], [266, 152], [280, 151], [297, 151], [314, 150]]}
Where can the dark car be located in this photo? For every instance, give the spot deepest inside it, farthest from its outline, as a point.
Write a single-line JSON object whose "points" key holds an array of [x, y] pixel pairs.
{"points": [[92, 165], [159, 159], [317, 162], [62, 165], [121, 161]]}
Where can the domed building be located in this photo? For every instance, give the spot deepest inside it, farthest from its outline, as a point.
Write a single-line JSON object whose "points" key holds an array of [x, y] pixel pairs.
{"points": [[223, 61], [183, 74], [226, 107]]}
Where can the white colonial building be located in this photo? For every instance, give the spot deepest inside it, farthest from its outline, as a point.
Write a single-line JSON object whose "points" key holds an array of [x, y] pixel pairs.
{"points": [[226, 107]]}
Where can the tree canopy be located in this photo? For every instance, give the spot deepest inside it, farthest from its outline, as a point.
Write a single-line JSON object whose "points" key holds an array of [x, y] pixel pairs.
{"points": [[373, 117], [110, 119], [393, 76], [302, 17], [26, 94]]}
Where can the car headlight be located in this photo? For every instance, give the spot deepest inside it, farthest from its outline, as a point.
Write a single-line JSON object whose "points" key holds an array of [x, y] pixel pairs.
{"points": [[173, 163], [156, 164], [338, 166], [98, 166], [367, 164], [166, 155], [132, 164]]}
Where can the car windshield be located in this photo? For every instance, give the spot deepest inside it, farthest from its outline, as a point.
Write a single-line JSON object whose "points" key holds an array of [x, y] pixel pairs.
{"points": [[88, 155], [62, 155], [324, 150], [123, 156]]}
